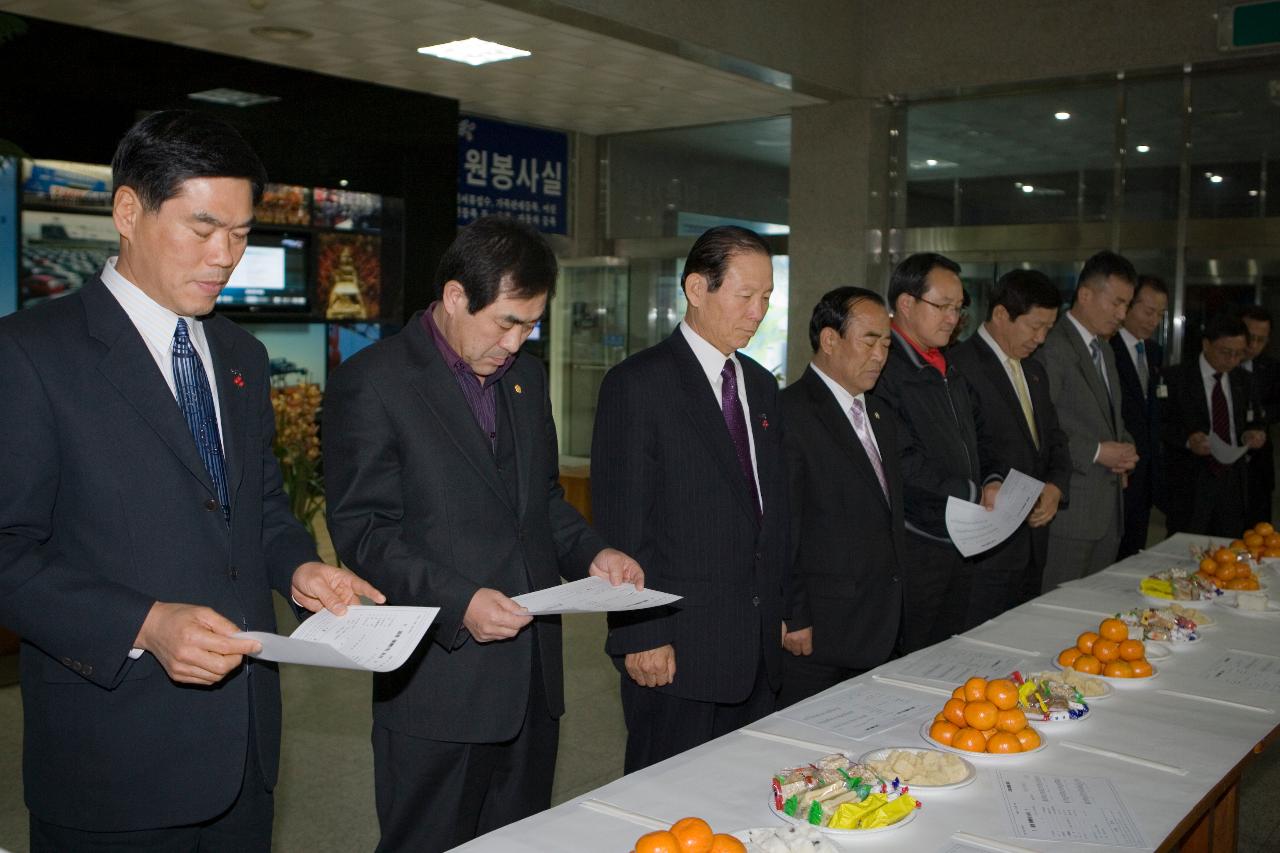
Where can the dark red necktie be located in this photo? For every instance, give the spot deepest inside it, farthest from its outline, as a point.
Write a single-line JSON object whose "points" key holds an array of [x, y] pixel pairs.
{"points": [[1221, 421], [736, 421]]}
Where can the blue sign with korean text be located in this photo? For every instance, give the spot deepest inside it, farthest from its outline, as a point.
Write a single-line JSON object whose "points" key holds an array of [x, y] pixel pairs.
{"points": [[515, 170]]}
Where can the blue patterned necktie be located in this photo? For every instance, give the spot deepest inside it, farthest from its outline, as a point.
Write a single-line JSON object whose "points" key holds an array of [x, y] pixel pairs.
{"points": [[736, 421], [196, 401]]}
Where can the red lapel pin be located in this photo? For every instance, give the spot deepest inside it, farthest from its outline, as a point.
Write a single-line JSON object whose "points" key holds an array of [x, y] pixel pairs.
{"points": [[237, 379]]}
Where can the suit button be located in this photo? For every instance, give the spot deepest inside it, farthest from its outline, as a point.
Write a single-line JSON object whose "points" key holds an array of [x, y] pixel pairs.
{"points": [[66, 661], [88, 670], [755, 601], [211, 504], [895, 578], [233, 573], [77, 666]]}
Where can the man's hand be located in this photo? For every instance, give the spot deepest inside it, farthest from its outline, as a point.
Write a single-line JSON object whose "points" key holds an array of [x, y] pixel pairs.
{"points": [[492, 616], [1198, 443], [617, 567], [1117, 456], [1046, 506], [1254, 438], [318, 585], [989, 492], [653, 668], [193, 643], [798, 642]]}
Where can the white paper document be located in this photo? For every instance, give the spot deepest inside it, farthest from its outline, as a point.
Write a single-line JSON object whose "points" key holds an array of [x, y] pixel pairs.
{"points": [[1241, 669], [1043, 807], [374, 637], [954, 663], [1225, 453], [591, 595], [862, 711], [974, 530]]}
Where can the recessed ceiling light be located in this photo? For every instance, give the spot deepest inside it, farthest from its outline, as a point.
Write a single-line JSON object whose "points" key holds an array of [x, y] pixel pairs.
{"points": [[473, 51], [283, 35], [1062, 115], [1215, 179], [232, 97], [1253, 193], [1142, 149], [342, 182], [931, 162], [1027, 188]]}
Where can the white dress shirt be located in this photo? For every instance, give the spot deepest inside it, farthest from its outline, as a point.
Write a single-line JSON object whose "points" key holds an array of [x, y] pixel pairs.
{"points": [[712, 361], [1131, 345], [845, 399], [1003, 357], [1206, 374], [157, 324]]}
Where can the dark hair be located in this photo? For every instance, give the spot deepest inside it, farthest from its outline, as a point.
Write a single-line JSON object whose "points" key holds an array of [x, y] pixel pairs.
{"points": [[1150, 282], [167, 148], [1021, 290], [909, 276], [712, 252], [495, 251], [1102, 266], [834, 308], [1256, 313], [1225, 326]]}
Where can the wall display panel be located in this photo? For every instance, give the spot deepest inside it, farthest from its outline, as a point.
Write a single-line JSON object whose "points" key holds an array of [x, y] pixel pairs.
{"points": [[348, 276], [59, 183], [296, 350], [345, 210], [283, 204], [271, 275], [61, 251]]}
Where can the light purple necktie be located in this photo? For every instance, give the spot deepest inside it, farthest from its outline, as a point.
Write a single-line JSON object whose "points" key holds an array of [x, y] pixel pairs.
{"points": [[736, 421], [859, 412]]}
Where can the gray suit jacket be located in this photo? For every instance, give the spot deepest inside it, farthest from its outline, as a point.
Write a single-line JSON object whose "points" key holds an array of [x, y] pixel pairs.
{"points": [[1088, 415]]}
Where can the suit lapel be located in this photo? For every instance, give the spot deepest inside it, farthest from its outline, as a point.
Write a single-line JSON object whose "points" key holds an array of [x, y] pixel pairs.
{"points": [[878, 418], [231, 401], [436, 384], [1084, 360], [757, 393], [129, 366], [708, 418], [837, 423], [995, 371], [516, 400]]}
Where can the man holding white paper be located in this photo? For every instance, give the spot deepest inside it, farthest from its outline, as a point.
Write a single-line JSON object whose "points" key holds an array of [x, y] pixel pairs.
{"points": [[442, 479]]}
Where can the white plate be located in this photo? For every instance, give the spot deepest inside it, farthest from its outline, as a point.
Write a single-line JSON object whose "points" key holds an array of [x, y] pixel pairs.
{"points": [[924, 733], [1193, 604], [1229, 603], [844, 834], [1107, 689], [744, 835], [1156, 650], [1125, 682], [1088, 712], [877, 754]]}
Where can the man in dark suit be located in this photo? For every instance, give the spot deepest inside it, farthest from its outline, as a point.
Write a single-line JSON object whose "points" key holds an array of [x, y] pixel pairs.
{"points": [[142, 521], [939, 444], [1138, 363], [442, 479], [1208, 395], [1012, 391], [846, 501], [1264, 410], [687, 474], [1085, 389]]}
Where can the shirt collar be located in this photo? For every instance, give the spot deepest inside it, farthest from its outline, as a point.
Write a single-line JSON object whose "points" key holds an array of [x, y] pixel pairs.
{"points": [[995, 347], [154, 322], [1086, 335], [931, 356], [843, 397], [710, 358], [1206, 369], [1129, 338], [457, 363]]}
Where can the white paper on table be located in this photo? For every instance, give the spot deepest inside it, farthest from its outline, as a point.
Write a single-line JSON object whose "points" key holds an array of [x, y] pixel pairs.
{"points": [[1243, 670], [1227, 454], [954, 663], [372, 637], [592, 595], [862, 711], [974, 530], [1045, 807]]}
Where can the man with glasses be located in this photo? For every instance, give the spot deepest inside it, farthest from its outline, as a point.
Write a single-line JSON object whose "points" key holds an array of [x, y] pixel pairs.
{"points": [[939, 434], [1085, 389], [1264, 408], [1208, 399]]}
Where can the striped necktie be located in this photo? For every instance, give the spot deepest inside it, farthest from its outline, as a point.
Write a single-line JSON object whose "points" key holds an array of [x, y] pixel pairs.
{"points": [[196, 401]]}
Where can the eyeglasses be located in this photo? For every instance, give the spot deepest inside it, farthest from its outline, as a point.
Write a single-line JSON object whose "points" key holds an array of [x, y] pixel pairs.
{"points": [[945, 309]]}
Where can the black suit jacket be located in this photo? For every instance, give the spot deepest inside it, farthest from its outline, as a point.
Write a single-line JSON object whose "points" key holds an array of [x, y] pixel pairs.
{"points": [[417, 504], [1010, 438], [1141, 412], [1264, 410], [107, 508], [846, 574], [1186, 411], [666, 488]]}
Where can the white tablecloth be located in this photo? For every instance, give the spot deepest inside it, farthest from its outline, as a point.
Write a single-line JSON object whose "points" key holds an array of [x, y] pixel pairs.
{"points": [[727, 781]]}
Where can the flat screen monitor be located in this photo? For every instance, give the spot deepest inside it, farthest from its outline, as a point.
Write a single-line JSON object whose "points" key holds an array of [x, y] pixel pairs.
{"points": [[61, 251], [272, 275]]}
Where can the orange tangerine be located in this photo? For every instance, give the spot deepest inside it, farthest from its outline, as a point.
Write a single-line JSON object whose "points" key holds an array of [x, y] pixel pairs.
{"points": [[1068, 656], [980, 715], [693, 833], [1272, 539], [1118, 669], [1209, 566], [661, 841], [953, 710], [1114, 630], [970, 740], [1087, 664], [1140, 669], [1106, 650], [1085, 642], [943, 731], [1028, 738], [1253, 539], [958, 693], [1012, 720], [1224, 555], [975, 689], [722, 842], [1226, 572], [1004, 743], [1002, 693], [1132, 650], [1264, 527]]}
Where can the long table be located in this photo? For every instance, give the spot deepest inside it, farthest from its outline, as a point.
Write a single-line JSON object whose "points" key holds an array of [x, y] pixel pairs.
{"points": [[1194, 735]]}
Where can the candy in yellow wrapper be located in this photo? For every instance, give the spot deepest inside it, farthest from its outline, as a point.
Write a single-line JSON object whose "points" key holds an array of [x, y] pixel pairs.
{"points": [[1157, 588], [875, 811]]}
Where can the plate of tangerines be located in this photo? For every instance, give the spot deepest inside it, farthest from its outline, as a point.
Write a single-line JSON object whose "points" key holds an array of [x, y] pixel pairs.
{"points": [[982, 718], [1110, 653]]}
